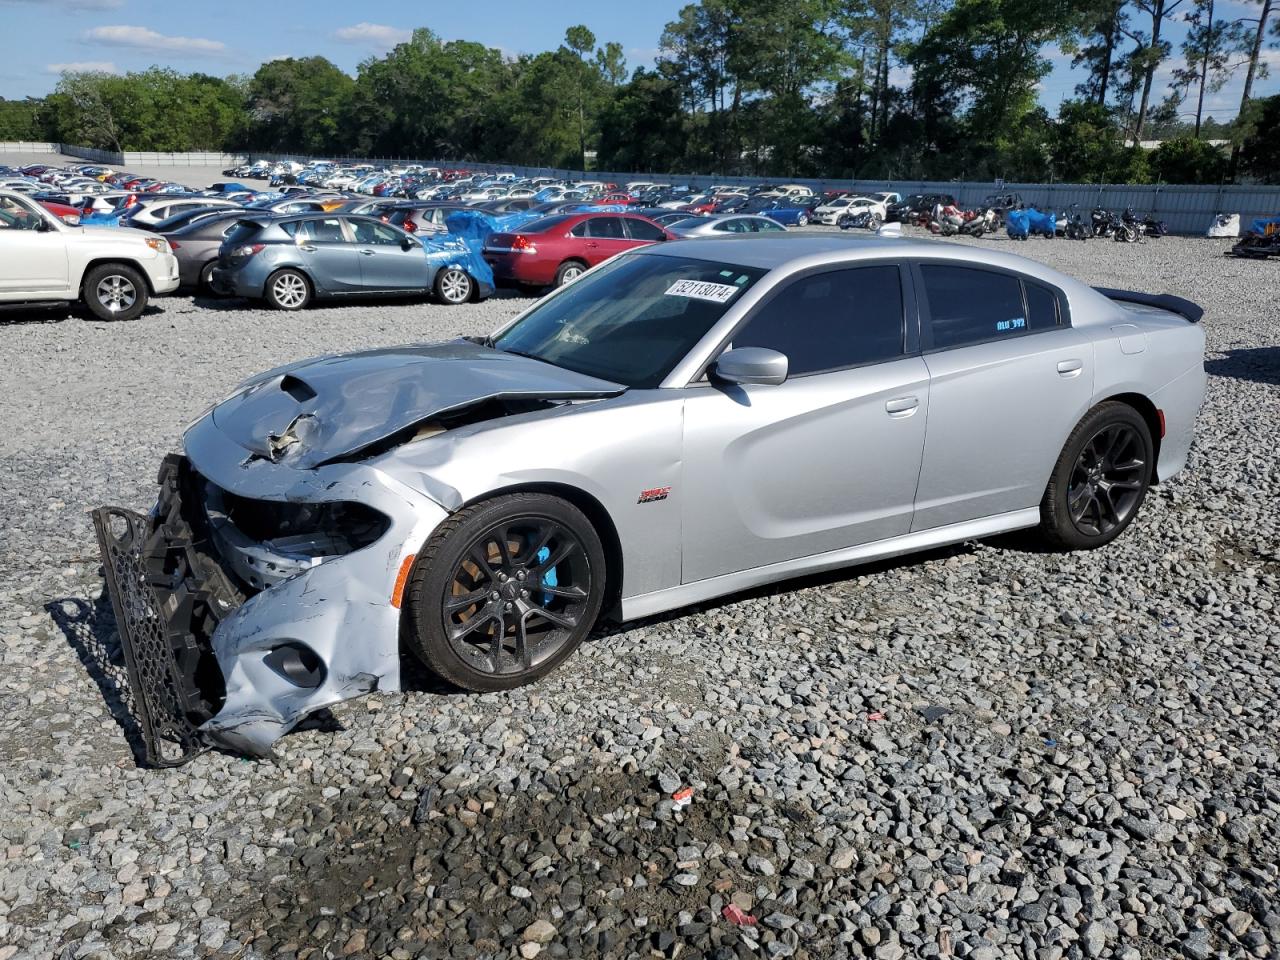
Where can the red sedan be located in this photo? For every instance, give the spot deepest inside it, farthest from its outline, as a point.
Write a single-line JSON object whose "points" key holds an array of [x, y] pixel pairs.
{"points": [[67, 214], [554, 250]]}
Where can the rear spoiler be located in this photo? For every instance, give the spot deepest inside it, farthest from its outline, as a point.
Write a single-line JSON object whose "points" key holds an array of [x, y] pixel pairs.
{"points": [[1163, 301]]}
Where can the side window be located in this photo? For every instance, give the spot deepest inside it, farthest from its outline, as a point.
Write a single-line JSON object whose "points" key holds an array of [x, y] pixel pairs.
{"points": [[640, 230], [1042, 307], [375, 233], [606, 228], [328, 230], [841, 318], [581, 229], [972, 306], [765, 225]]}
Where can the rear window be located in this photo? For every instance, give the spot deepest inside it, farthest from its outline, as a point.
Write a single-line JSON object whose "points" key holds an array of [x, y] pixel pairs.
{"points": [[243, 231], [545, 224]]}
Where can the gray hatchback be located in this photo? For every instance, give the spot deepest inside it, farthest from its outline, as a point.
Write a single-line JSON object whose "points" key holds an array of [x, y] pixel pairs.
{"points": [[288, 261]]}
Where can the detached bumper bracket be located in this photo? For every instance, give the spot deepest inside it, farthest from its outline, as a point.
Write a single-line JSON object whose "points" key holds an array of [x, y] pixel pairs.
{"points": [[146, 629]]}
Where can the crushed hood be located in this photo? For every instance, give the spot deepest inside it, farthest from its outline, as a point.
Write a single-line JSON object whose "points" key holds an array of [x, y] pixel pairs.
{"points": [[308, 413]]}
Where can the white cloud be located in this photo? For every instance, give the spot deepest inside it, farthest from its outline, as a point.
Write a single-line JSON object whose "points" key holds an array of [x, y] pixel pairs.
{"points": [[144, 38], [372, 35], [83, 66]]}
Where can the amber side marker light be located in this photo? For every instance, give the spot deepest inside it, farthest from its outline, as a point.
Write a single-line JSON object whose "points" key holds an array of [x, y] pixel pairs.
{"points": [[397, 592]]}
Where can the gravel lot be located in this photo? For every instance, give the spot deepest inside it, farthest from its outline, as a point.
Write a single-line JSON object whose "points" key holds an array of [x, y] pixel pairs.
{"points": [[984, 752]]}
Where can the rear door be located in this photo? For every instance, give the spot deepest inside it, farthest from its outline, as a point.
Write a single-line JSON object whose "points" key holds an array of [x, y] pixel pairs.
{"points": [[826, 460], [604, 237], [1008, 381], [384, 263], [328, 254]]}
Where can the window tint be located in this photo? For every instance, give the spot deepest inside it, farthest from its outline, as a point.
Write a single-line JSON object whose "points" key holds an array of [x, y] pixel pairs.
{"points": [[972, 306], [831, 320], [765, 225], [1042, 307], [607, 228], [321, 231], [640, 230]]}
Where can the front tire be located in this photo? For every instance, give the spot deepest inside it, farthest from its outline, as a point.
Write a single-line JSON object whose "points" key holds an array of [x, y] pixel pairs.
{"points": [[288, 290], [114, 291], [505, 591], [1100, 480]]}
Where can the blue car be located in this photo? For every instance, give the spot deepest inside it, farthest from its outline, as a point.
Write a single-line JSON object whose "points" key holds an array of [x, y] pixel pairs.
{"points": [[785, 210]]}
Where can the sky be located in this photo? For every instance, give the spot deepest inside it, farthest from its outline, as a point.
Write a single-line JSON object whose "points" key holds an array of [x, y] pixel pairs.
{"points": [[235, 36]]}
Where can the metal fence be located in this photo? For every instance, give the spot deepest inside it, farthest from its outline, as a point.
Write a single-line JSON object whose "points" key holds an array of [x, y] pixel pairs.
{"points": [[1187, 209]]}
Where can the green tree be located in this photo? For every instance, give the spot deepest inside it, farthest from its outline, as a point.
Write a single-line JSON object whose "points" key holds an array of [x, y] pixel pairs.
{"points": [[642, 126], [1208, 47], [297, 105], [1260, 150], [1188, 160], [18, 119]]}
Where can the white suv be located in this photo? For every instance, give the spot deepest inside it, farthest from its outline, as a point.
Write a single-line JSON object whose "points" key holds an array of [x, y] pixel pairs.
{"points": [[114, 270]]}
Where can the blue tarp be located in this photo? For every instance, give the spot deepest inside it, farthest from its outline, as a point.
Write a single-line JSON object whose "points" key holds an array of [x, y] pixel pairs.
{"points": [[1024, 223], [1265, 226]]}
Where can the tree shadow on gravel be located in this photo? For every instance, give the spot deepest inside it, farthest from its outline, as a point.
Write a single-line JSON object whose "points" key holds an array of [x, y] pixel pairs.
{"points": [[1259, 364], [90, 629]]}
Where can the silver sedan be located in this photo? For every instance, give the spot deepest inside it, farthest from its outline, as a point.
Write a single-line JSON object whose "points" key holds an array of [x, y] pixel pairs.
{"points": [[724, 224], [682, 422]]}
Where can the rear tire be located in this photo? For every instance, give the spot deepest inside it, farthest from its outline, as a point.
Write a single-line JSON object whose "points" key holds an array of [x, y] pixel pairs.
{"points": [[288, 290], [114, 291], [1100, 480], [504, 592], [453, 286], [205, 283], [569, 271]]}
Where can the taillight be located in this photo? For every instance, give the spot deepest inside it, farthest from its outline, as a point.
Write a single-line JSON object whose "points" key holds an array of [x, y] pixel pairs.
{"points": [[410, 227], [174, 245], [244, 251], [522, 244]]}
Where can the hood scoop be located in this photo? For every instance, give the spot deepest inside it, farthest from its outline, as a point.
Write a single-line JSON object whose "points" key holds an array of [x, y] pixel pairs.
{"points": [[316, 411]]}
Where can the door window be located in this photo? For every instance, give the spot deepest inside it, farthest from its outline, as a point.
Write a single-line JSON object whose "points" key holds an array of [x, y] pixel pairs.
{"points": [[375, 233], [642, 230], [969, 306], [17, 216], [606, 228], [832, 320], [328, 230]]}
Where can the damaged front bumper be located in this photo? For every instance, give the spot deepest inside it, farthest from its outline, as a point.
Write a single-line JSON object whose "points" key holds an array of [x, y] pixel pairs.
{"points": [[230, 636]]}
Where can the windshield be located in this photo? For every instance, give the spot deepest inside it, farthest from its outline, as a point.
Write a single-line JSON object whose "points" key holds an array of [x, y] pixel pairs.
{"points": [[632, 320]]}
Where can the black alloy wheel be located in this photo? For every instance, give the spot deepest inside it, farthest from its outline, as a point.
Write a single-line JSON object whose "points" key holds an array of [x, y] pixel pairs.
{"points": [[505, 591], [1108, 480]]}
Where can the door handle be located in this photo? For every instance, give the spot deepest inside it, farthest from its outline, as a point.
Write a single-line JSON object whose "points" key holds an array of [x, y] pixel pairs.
{"points": [[592, 246], [307, 248], [1070, 368], [902, 406], [366, 253]]}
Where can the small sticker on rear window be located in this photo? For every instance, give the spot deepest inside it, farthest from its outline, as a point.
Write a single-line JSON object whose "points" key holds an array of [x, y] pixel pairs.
{"points": [[702, 290]]}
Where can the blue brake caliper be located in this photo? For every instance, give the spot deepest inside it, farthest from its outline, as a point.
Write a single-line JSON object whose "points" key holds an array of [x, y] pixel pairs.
{"points": [[548, 578]]}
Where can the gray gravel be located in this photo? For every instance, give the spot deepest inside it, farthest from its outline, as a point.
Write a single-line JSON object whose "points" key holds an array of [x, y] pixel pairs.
{"points": [[985, 752]]}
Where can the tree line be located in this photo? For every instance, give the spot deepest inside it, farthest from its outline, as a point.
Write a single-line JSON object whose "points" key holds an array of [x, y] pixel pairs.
{"points": [[872, 89]]}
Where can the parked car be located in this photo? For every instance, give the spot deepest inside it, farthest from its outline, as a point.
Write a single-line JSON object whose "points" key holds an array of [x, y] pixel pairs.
{"points": [[290, 261], [558, 249], [719, 225], [196, 245], [789, 211], [830, 213], [113, 272], [627, 446]]}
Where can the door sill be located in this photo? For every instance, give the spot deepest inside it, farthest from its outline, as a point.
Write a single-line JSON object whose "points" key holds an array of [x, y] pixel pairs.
{"points": [[659, 601]]}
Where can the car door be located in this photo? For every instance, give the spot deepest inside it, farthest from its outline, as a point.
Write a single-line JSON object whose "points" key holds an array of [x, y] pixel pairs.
{"points": [[385, 264], [32, 260], [603, 237], [328, 254], [828, 459], [1008, 381]]}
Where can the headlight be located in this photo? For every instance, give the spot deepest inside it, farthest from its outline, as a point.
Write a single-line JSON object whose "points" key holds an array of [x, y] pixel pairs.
{"points": [[158, 244]]}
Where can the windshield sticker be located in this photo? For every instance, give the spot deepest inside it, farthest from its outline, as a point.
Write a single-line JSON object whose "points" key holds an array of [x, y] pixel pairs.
{"points": [[702, 290]]}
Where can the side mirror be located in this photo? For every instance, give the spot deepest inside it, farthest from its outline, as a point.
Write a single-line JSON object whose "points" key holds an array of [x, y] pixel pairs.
{"points": [[408, 243], [751, 365]]}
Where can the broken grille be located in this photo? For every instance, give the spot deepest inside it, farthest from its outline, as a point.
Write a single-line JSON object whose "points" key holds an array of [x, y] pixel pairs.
{"points": [[170, 738]]}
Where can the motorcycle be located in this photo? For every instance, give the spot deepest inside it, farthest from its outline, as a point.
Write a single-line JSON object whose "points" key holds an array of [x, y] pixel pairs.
{"points": [[867, 219], [1076, 227], [1126, 228], [1103, 222]]}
